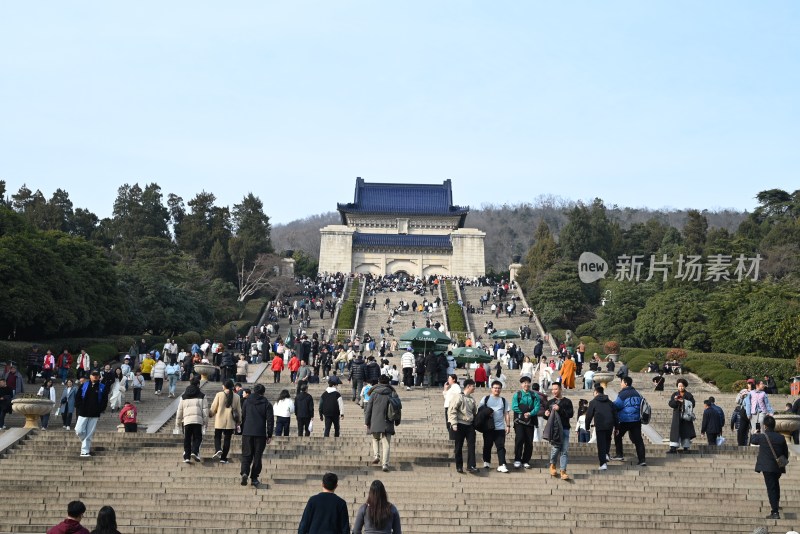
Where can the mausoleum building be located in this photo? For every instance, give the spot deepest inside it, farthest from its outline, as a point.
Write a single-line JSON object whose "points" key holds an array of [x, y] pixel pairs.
{"points": [[402, 228]]}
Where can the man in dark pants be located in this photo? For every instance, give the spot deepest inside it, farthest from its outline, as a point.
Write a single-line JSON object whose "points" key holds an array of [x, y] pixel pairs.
{"points": [[713, 421], [525, 405], [331, 407], [502, 426], [629, 421], [33, 364], [602, 412], [770, 445], [461, 416], [257, 426]]}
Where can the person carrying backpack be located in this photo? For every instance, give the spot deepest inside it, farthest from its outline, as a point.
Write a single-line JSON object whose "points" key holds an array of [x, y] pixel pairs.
{"points": [[525, 405], [377, 422], [628, 406], [496, 434]]}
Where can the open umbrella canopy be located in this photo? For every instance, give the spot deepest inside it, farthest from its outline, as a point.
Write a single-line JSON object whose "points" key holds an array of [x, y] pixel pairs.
{"points": [[425, 337], [465, 355], [289, 341], [505, 334]]}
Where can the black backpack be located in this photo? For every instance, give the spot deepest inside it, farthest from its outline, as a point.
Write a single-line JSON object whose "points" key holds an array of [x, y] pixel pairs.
{"points": [[484, 419]]}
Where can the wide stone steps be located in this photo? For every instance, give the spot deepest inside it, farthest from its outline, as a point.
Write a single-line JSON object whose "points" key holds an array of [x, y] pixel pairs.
{"points": [[718, 490]]}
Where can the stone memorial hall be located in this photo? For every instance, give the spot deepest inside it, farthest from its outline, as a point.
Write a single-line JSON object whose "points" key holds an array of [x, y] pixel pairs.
{"points": [[411, 229]]}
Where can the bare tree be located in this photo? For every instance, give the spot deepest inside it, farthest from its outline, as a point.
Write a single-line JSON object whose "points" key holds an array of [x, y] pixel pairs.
{"points": [[265, 273]]}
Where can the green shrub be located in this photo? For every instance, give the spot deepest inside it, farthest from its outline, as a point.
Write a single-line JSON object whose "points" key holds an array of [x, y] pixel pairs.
{"points": [[180, 341], [15, 351], [192, 337], [102, 352], [455, 318], [347, 316], [728, 370], [252, 310], [586, 340], [123, 343]]}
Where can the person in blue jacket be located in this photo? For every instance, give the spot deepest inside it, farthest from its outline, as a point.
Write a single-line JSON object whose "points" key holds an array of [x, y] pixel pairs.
{"points": [[630, 422]]}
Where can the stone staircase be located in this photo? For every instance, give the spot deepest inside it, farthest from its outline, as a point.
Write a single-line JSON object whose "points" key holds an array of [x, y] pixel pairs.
{"points": [[473, 294], [372, 320], [143, 477]]}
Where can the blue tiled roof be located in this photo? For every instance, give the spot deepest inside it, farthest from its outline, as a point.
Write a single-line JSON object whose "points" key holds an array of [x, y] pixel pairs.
{"points": [[408, 199], [440, 242]]}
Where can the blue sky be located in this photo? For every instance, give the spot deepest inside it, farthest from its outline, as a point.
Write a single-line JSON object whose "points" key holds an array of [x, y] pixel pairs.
{"points": [[659, 104]]}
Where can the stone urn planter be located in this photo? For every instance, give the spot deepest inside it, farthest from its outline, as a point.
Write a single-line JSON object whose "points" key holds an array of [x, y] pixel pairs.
{"points": [[786, 424], [33, 408], [204, 370], [603, 378]]}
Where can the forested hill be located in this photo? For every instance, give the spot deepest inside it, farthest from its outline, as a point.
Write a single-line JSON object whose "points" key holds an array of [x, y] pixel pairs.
{"points": [[509, 228]]}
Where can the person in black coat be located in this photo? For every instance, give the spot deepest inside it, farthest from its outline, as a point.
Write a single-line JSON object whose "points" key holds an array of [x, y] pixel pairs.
{"points": [[303, 410], [257, 426], [713, 423], [602, 411], [766, 463], [681, 430]]}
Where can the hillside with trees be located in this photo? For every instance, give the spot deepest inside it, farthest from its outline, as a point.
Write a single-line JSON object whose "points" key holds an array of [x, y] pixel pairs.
{"points": [[157, 265], [700, 287]]}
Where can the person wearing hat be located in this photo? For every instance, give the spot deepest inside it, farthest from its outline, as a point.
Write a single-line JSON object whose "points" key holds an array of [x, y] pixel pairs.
{"points": [[713, 421], [525, 404], [91, 400]]}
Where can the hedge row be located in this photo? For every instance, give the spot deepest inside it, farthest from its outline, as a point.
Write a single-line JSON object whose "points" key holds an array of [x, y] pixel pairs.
{"points": [[455, 318], [346, 320], [725, 370]]}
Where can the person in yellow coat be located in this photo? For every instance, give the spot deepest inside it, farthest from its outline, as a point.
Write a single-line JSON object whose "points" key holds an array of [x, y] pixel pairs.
{"points": [[568, 372]]}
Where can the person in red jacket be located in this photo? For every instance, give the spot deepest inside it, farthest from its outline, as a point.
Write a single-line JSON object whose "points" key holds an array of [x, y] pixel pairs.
{"points": [[480, 376], [277, 367], [64, 363], [127, 416], [294, 366], [72, 524]]}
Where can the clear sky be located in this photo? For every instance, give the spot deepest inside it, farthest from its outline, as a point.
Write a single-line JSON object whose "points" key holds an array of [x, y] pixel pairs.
{"points": [[659, 104]]}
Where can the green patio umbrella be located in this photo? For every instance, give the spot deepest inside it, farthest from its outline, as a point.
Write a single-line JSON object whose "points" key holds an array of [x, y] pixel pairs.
{"points": [[289, 341], [425, 339], [464, 355], [505, 334]]}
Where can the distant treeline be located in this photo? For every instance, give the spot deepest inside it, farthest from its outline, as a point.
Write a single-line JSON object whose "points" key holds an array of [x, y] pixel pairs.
{"points": [[509, 228]]}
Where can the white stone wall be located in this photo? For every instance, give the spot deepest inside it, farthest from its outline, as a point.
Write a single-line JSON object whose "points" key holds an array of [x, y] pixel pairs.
{"points": [[468, 255], [337, 254], [420, 263], [336, 249]]}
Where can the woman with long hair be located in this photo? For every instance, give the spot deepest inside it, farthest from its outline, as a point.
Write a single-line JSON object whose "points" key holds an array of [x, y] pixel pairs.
{"points": [[226, 409], [117, 399], [583, 434], [106, 521], [377, 515], [284, 409], [67, 407]]}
